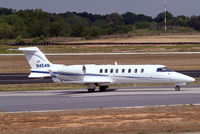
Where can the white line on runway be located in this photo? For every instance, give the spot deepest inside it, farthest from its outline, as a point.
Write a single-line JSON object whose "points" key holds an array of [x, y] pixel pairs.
{"points": [[142, 53]]}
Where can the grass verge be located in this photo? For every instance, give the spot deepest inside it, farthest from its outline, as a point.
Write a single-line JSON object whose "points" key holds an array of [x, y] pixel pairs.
{"points": [[148, 120], [107, 49], [39, 86], [193, 37]]}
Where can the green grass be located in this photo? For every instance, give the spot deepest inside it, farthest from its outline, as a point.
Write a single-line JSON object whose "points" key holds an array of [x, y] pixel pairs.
{"points": [[4, 49], [148, 120], [147, 32], [39, 87]]}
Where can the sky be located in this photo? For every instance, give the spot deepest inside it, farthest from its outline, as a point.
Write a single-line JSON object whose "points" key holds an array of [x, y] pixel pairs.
{"points": [[147, 7]]}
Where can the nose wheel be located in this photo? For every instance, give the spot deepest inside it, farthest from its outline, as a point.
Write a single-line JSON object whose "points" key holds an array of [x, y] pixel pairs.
{"points": [[177, 88]]}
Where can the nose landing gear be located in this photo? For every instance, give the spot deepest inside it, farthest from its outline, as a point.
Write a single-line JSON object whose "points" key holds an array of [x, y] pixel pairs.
{"points": [[177, 88]]}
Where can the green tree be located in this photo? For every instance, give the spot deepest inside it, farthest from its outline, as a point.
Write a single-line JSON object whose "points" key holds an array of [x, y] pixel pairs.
{"points": [[6, 31], [145, 25], [161, 17], [95, 31], [142, 17], [35, 40], [18, 24], [132, 18], [117, 29], [195, 22], [180, 21], [101, 23], [114, 18], [78, 30], [19, 40], [129, 18], [73, 19], [37, 28], [6, 11], [59, 28]]}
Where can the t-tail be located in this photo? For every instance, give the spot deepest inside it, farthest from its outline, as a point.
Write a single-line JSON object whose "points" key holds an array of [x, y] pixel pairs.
{"points": [[38, 62]]}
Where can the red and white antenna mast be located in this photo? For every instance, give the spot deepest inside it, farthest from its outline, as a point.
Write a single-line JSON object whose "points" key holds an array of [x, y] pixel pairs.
{"points": [[165, 15]]}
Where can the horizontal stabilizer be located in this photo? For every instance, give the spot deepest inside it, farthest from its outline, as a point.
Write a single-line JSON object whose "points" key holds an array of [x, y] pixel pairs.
{"points": [[28, 49], [38, 75]]}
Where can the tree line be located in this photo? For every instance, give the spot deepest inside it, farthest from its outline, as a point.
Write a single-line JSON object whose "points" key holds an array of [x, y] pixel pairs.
{"points": [[40, 24]]}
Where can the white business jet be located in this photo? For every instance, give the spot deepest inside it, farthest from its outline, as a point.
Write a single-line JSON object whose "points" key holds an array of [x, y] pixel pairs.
{"points": [[101, 75]]}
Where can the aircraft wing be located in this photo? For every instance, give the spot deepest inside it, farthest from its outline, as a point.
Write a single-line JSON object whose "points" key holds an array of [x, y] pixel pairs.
{"points": [[89, 81], [86, 80]]}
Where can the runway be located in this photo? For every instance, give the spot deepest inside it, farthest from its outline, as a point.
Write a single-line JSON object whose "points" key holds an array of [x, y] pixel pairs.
{"points": [[81, 99], [21, 78]]}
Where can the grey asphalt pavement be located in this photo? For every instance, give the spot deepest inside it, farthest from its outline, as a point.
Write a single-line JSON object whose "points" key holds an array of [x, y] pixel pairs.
{"points": [[81, 99]]}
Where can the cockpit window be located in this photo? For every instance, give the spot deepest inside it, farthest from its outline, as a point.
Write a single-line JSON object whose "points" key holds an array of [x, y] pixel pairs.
{"points": [[164, 69]]}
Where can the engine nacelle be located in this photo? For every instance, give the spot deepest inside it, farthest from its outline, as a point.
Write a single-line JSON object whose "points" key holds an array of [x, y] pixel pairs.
{"points": [[72, 73]]}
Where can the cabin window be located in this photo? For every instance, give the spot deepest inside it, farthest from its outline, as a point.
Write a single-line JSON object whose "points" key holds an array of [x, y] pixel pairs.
{"points": [[117, 70], [129, 71], [123, 70], [142, 70], [106, 70], [101, 71], [135, 71], [111, 70], [164, 69]]}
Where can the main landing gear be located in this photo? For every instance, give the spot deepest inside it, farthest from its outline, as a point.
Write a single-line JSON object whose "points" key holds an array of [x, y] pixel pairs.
{"points": [[177, 88], [103, 88], [91, 88]]}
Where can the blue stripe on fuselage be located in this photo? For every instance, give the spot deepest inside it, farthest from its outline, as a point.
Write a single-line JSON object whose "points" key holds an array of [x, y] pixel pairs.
{"points": [[68, 74]]}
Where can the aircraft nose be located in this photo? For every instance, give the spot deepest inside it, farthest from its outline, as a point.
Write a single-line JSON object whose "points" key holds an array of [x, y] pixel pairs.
{"points": [[188, 78], [182, 78]]}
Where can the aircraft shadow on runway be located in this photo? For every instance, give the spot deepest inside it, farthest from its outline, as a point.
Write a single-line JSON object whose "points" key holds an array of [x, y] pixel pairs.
{"points": [[113, 90], [147, 90], [83, 91]]}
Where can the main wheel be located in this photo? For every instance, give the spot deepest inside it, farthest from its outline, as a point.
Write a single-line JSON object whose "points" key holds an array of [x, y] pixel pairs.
{"points": [[177, 88], [90, 90], [103, 88]]}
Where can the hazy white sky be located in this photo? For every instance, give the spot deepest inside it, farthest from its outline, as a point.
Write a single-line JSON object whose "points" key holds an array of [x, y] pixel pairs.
{"points": [[147, 7]]}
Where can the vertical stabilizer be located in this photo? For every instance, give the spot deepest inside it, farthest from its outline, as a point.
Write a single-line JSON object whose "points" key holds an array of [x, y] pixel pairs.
{"points": [[35, 57]]}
